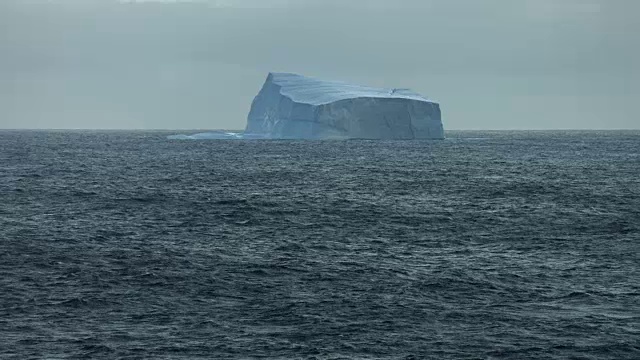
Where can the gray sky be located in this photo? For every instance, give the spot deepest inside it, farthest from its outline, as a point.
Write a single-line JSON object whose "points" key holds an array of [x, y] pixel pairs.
{"points": [[492, 64]]}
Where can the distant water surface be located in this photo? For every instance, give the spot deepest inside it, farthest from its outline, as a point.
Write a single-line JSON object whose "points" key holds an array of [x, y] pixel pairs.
{"points": [[486, 245]]}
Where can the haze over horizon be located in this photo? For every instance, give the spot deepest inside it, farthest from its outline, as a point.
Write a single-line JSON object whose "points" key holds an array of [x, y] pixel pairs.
{"points": [[161, 64]]}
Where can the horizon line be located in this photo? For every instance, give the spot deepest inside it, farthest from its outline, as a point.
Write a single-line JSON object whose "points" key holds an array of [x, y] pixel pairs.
{"points": [[241, 130]]}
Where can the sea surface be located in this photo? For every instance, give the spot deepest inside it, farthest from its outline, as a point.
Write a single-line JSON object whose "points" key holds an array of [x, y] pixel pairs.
{"points": [[487, 245]]}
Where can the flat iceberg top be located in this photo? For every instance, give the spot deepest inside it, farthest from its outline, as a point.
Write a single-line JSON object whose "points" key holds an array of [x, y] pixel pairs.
{"points": [[313, 91]]}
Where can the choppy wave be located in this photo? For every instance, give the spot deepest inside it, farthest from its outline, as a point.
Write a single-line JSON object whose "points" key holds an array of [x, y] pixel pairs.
{"points": [[486, 245]]}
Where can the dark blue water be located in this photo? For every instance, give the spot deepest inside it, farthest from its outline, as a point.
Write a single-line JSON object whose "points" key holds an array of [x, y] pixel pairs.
{"points": [[485, 245]]}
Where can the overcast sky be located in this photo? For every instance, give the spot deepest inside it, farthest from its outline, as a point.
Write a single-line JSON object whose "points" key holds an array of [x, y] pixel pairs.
{"points": [[492, 64]]}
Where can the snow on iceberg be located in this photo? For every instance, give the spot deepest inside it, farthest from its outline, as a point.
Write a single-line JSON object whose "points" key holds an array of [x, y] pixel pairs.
{"points": [[291, 106]]}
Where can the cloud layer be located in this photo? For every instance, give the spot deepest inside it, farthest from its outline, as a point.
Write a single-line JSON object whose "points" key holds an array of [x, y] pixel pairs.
{"points": [[492, 63]]}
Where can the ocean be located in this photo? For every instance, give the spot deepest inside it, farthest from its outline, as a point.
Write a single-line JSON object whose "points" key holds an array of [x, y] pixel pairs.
{"points": [[487, 245]]}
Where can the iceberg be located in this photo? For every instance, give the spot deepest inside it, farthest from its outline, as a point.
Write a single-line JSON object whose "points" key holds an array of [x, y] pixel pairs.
{"points": [[207, 136], [291, 106]]}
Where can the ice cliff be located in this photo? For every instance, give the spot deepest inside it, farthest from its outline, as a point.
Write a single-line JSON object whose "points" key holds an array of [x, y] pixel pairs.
{"points": [[291, 106]]}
